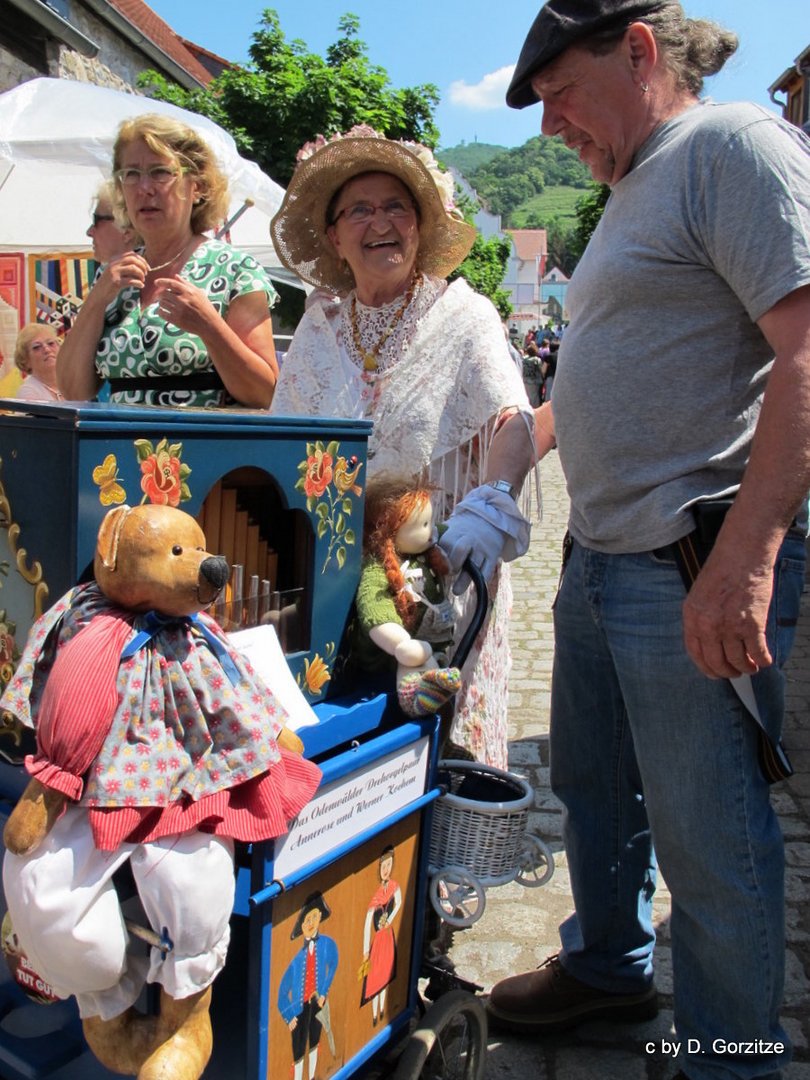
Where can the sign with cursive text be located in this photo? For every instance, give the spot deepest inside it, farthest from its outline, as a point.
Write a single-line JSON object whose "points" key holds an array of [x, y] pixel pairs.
{"points": [[349, 806]]}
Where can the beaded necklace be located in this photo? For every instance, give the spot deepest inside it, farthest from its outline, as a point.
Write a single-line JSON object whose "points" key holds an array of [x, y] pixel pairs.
{"points": [[370, 357]]}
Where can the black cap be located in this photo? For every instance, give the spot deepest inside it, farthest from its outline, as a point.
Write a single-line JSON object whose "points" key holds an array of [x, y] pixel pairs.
{"points": [[561, 23]]}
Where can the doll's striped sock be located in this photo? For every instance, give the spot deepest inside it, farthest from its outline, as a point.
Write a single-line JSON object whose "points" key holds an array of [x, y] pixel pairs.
{"points": [[424, 692]]}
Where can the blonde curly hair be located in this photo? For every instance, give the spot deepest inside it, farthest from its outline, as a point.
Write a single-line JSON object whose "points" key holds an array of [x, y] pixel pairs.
{"points": [[182, 144]]}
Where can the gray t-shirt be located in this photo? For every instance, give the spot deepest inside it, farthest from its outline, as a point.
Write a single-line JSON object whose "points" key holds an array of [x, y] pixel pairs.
{"points": [[662, 369]]}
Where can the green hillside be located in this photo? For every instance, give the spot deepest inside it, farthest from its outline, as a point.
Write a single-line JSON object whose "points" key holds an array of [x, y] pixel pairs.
{"points": [[467, 157], [555, 203], [526, 185], [534, 186]]}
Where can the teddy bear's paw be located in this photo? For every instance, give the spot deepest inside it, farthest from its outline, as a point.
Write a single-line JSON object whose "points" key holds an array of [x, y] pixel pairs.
{"points": [[423, 693], [35, 814], [288, 740], [123, 1043], [185, 1025]]}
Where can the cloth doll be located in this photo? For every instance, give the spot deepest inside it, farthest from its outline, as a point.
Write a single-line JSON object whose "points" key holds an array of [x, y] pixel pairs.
{"points": [[404, 619], [157, 746]]}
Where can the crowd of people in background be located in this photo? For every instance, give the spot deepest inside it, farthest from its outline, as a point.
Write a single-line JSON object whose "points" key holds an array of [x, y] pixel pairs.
{"points": [[537, 353]]}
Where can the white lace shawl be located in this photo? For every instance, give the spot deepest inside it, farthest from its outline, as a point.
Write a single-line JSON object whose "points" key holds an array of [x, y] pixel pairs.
{"points": [[434, 408]]}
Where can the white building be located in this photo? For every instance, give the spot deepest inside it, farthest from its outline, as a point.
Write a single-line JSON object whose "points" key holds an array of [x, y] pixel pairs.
{"points": [[487, 223], [524, 273]]}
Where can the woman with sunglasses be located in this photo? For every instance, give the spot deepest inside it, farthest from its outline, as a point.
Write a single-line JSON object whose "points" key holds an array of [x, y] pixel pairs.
{"points": [[183, 320], [109, 239]]}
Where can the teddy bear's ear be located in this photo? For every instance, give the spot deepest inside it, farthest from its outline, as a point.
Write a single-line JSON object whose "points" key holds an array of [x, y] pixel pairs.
{"points": [[109, 534]]}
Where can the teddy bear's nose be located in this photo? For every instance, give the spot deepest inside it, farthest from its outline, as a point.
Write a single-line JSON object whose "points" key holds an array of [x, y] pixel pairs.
{"points": [[215, 570]]}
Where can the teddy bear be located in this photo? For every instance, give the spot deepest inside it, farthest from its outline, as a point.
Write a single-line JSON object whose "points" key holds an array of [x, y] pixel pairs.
{"points": [[404, 620], [157, 747]]}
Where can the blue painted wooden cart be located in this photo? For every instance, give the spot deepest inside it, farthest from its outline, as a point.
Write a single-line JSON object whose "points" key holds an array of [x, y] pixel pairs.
{"points": [[297, 485]]}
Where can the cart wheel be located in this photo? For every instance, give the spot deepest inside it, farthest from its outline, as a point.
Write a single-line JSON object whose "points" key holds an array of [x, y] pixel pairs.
{"points": [[450, 1042], [457, 897], [535, 862]]}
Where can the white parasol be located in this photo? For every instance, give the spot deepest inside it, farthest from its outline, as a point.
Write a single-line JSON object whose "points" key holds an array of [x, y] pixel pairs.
{"points": [[56, 139]]}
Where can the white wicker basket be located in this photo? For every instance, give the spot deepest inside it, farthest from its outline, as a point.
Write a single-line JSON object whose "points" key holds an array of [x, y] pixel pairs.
{"points": [[481, 822]]}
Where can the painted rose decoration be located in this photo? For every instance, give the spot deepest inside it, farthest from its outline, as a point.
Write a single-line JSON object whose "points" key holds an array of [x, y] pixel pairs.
{"points": [[329, 480], [163, 474]]}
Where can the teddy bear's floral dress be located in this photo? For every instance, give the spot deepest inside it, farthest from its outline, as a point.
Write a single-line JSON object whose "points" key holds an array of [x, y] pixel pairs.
{"points": [[191, 743]]}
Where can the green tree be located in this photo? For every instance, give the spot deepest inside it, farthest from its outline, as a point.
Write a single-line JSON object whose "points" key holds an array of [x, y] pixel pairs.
{"points": [[562, 245], [288, 95], [484, 268]]}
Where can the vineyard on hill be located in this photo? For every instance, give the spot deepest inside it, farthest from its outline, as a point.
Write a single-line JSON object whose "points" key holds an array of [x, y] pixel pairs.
{"points": [[535, 186]]}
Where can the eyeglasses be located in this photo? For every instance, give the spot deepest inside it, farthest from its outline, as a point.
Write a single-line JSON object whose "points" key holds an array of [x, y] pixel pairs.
{"points": [[161, 175], [361, 213], [101, 217], [48, 343]]}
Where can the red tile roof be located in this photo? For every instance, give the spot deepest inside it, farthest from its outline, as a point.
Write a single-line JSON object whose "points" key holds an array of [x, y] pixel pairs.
{"points": [[529, 243], [212, 62], [150, 24]]}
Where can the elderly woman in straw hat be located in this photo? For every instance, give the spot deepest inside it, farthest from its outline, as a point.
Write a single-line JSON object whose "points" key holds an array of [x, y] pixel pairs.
{"points": [[370, 221]]}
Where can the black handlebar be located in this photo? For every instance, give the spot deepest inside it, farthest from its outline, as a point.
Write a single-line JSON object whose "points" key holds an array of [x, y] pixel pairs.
{"points": [[479, 614]]}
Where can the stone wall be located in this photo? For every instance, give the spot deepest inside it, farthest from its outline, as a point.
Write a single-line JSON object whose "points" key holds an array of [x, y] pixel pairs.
{"points": [[117, 64], [14, 71]]}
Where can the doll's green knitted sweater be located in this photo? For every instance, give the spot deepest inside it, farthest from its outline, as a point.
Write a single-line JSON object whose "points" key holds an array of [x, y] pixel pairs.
{"points": [[375, 606]]}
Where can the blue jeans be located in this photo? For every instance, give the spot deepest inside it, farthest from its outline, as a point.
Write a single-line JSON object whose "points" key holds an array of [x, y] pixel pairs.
{"points": [[646, 750]]}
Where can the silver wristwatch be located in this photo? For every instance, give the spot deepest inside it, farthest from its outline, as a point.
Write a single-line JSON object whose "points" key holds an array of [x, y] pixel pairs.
{"points": [[505, 486]]}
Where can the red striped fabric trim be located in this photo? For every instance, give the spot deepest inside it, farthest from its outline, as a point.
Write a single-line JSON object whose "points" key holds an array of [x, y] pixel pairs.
{"points": [[259, 809], [78, 704]]}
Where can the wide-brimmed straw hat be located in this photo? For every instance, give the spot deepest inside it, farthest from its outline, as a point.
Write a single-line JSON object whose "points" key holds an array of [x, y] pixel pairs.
{"points": [[299, 228]]}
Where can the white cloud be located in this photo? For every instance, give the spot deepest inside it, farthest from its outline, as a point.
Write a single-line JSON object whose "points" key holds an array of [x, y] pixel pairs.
{"points": [[487, 94]]}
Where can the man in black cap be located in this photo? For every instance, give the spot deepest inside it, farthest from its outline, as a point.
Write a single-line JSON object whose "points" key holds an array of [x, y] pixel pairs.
{"points": [[568, 22], [667, 706]]}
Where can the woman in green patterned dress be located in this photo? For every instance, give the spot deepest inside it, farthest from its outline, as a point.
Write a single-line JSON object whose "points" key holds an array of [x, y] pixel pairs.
{"points": [[184, 319]]}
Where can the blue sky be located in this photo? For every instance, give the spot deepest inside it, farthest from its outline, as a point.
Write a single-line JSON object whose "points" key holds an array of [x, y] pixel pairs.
{"points": [[468, 47]]}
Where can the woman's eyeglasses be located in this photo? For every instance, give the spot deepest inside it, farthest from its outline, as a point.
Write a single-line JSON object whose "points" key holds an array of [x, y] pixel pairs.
{"points": [[40, 346], [161, 175], [361, 213], [97, 218]]}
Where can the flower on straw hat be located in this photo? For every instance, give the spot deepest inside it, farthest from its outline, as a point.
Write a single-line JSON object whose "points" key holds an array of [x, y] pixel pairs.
{"points": [[325, 165], [441, 178]]}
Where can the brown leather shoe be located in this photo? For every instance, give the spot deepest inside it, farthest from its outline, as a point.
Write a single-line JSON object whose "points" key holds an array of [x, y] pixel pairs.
{"points": [[549, 1000]]}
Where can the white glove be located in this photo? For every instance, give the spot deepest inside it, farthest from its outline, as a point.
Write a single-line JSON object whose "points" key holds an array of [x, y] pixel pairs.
{"points": [[485, 526]]}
